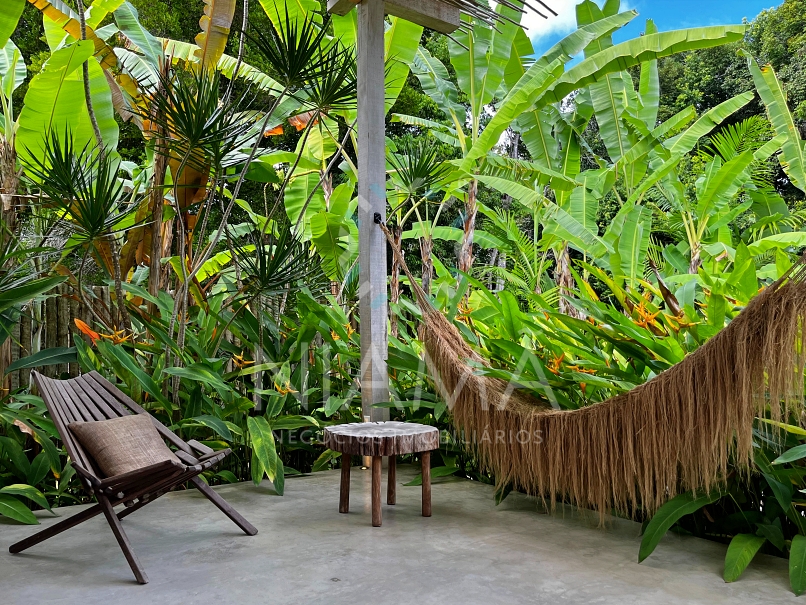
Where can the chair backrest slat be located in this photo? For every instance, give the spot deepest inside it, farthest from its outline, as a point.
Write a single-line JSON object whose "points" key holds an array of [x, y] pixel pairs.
{"points": [[123, 400], [62, 415], [104, 404], [91, 398], [69, 397], [68, 406]]}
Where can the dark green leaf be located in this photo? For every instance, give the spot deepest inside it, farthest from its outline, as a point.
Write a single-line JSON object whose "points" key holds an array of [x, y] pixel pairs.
{"points": [[47, 357], [668, 515], [14, 509], [741, 550], [437, 471], [797, 564], [27, 491]]}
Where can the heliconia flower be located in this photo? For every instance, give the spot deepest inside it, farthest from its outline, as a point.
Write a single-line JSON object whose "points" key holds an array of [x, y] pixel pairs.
{"points": [[85, 329], [240, 362], [284, 389], [117, 336]]}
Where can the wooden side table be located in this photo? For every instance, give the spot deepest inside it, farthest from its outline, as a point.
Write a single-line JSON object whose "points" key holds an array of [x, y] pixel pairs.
{"points": [[378, 439]]}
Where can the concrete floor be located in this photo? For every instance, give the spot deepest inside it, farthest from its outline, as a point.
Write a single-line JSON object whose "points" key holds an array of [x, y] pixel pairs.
{"points": [[470, 551]]}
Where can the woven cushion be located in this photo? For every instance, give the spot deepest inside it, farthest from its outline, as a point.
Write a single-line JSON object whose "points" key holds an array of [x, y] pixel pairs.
{"points": [[122, 444]]}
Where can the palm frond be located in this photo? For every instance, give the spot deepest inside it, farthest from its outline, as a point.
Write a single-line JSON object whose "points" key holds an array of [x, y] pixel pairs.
{"points": [[81, 184]]}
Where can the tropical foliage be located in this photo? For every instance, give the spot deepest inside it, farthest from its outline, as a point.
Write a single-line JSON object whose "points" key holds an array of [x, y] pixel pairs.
{"points": [[583, 234]]}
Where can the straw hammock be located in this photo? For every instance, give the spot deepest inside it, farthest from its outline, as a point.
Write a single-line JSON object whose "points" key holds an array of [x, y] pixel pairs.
{"points": [[674, 433]]}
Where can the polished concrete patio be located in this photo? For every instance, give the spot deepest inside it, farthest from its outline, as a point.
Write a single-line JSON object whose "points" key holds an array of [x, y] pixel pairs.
{"points": [[470, 551]]}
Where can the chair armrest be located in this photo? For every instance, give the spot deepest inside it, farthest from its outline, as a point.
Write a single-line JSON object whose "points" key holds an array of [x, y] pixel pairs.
{"points": [[89, 477], [131, 476], [186, 458], [207, 460], [216, 454], [200, 447]]}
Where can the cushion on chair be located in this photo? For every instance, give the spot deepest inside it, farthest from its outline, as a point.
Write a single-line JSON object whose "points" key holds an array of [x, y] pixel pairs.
{"points": [[122, 444]]}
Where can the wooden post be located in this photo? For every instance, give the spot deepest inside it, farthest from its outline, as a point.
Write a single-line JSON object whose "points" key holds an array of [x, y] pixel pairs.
{"points": [[344, 490], [372, 201], [14, 353], [25, 346], [391, 494], [376, 491], [62, 325], [75, 309], [51, 321], [426, 463]]}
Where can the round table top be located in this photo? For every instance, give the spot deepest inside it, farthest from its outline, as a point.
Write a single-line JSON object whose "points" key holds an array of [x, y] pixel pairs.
{"points": [[381, 438]]}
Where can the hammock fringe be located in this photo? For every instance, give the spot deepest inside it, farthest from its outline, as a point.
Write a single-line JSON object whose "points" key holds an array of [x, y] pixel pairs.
{"points": [[674, 433]]}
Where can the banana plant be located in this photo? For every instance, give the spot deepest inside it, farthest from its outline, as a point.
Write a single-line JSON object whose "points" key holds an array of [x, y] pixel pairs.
{"points": [[12, 75], [497, 65]]}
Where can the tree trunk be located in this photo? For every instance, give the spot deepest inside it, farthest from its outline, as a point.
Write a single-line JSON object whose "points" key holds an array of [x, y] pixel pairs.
{"points": [[469, 227], [9, 180], [157, 204], [427, 256], [695, 263], [493, 263], [565, 281], [502, 264], [394, 284]]}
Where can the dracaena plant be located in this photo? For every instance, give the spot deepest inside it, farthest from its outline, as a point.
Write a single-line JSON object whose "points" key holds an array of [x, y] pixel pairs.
{"points": [[83, 187]]}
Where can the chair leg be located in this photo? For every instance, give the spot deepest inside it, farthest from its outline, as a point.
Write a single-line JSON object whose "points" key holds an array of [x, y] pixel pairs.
{"points": [[123, 539], [56, 529], [426, 463], [224, 506], [391, 487], [344, 487], [376, 490]]}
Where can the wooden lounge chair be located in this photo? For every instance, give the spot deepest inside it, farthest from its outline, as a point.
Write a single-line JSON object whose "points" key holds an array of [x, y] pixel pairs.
{"points": [[90, 398]]}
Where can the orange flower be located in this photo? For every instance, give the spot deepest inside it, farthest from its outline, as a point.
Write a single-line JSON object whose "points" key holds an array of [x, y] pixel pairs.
{"points": [[85, 329], [554, 366], [240, 362], [646, 318], [582, 370], [284, 389], [117, 336], [277, 130]]}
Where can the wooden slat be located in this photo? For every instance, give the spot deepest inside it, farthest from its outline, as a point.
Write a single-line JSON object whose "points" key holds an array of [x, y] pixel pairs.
{"points": [[51, 320], [67, 410], [62, 325], [94, 384], [25, 348], [75, 310], [106, 410], [75, 393], [14, 377], [77, 404], [134, 407], [57, 408]]}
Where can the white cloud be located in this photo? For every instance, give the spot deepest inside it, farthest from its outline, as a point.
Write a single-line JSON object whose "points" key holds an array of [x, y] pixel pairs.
{"points": [[565, 22]]}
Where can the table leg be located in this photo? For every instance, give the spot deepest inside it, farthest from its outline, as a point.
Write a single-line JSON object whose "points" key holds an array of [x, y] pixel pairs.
{"points": [[344, 493], [376, 490], [425, 457], [391, 496]]}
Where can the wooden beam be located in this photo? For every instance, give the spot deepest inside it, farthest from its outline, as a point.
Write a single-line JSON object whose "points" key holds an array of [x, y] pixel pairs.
{"points": [[433, 14], [371, 201]]}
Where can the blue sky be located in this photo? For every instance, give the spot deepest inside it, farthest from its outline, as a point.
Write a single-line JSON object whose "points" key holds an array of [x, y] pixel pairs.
{"points": [[667, 14]]}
